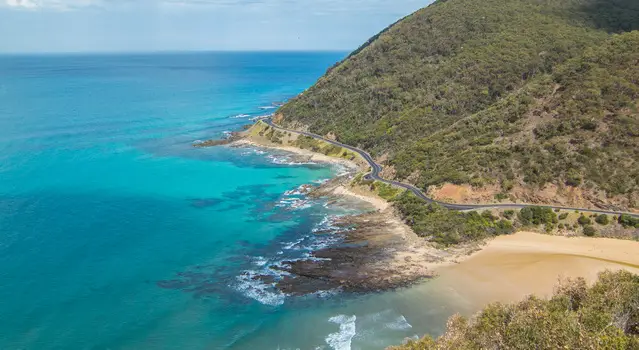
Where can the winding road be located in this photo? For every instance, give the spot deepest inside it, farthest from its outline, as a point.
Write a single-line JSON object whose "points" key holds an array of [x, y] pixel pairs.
{"points": [[376, 170]]}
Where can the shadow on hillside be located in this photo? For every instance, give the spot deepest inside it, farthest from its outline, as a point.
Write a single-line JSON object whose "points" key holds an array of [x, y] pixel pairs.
{"points": [[614, 16]]}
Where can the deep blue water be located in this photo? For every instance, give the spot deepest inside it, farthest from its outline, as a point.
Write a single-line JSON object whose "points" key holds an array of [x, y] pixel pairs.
{"points": [[115, 233]]}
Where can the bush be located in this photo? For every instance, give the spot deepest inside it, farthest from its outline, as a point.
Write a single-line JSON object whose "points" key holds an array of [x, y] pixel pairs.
{"points": [[583, 221], [537, 216], [589, 231], [447, 227], [628, 221], [501, 196], [602, 219], [504, 227], [507, 185], [487, 214], [508, 214], [563, 216], [573, 178]]}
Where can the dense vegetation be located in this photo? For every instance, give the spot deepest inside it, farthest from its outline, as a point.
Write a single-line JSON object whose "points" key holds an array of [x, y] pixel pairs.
{"points": [[450, 227], [604, 316], [508, 92]]}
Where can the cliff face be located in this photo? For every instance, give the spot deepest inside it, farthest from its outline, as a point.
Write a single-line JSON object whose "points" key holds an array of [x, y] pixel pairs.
{"points": [[509, 96]]}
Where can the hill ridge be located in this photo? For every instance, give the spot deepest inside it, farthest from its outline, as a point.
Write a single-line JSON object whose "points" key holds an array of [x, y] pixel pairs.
{"points": [[509, 96]]}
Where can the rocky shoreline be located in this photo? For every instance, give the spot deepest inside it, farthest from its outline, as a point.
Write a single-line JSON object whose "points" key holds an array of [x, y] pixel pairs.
{"points": [[376, 252], [362, 262]]}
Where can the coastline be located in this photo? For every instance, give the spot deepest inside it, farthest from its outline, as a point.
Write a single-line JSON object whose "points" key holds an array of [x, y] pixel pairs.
{"points": [[342, 189], [309, 156], [379, 251]]}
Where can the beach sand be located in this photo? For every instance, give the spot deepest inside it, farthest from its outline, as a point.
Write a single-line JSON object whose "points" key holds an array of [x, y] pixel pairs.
{"points": [[309, 155], [511, 267], [377, 202]]}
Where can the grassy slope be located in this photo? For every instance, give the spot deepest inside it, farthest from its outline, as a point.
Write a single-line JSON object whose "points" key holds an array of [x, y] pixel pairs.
{"points": [[261, 131], [498, 91]]}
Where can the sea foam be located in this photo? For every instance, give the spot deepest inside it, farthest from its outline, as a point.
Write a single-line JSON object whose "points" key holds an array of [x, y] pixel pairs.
{"points": [[255, 289], [341, 340]]}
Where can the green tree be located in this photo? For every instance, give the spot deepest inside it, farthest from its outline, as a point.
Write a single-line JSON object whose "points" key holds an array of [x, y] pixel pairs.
{"points": [[602, 219]]}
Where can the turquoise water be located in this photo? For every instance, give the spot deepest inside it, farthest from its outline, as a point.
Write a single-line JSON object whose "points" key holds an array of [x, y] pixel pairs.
{"points": [[115, 233]]}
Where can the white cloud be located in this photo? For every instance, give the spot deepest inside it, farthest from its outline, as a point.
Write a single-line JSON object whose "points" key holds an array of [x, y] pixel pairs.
{"points": [[21, 3], [61, 5]]}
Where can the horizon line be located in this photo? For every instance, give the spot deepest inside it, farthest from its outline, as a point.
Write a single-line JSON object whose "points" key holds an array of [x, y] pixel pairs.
{"points": [[170, 51]]}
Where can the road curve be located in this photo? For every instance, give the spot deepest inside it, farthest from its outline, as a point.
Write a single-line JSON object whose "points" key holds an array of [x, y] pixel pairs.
{"points": [[376, 169]]}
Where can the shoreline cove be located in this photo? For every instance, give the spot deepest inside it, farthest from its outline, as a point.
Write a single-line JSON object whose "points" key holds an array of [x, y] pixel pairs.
{"points": [[509, 268], [381, 244], [374, 251]]}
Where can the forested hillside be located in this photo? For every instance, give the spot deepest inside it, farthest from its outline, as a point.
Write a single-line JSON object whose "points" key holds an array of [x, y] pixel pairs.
{"points": [[501, 93]]}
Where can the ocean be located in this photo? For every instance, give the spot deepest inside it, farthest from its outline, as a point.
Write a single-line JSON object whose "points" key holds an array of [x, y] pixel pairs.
{"points": [[116, 233]]}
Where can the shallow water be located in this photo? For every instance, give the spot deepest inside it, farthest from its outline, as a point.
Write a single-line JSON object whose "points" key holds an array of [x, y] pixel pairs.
{"points": [[115, 233]]}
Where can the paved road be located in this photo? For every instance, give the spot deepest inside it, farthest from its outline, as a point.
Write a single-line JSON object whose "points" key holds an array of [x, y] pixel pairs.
{"points": [[376, 169]]}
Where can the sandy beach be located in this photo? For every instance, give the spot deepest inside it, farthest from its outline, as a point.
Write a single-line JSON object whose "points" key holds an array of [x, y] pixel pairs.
{"points": [[510, 267], [309, 155]]}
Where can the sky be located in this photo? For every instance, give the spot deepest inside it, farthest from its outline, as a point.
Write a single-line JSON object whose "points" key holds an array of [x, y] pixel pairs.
{"points": [[41, 26]]}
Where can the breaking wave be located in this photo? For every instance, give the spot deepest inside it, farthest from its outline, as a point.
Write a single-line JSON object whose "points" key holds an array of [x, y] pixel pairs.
{"points": [[341, 340]]}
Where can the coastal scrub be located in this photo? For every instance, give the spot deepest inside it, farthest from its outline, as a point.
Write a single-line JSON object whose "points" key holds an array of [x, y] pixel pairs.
{"points": [[603, 316]]}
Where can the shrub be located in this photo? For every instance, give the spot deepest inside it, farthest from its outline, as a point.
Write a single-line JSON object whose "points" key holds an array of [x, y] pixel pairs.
{"points": [[563, 216], [507, 185], [501, 196], [537, 216], [504, 227], [508, 214], [628, 221], [583, 220], [487, 214], [573, 178], [602, 219], [589, 231]]}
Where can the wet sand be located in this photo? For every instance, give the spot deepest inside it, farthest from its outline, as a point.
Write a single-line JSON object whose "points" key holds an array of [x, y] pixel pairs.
{"points": [[510, 267]]}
